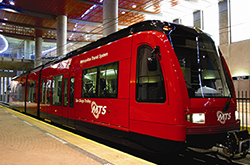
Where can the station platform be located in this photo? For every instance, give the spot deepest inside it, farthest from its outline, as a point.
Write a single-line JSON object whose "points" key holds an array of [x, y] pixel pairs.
{"points": [[26, 140]]}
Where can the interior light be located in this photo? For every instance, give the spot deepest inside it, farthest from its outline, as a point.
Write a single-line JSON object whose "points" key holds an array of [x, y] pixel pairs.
{"points": [[12, 3], [134, 6]]}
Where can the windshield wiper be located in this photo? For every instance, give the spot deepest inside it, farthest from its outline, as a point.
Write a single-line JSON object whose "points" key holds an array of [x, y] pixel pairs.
{"points": [[226, 107]]}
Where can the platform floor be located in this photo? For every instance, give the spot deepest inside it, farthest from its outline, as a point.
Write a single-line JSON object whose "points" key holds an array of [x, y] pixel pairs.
{"points": [[25, 140]]}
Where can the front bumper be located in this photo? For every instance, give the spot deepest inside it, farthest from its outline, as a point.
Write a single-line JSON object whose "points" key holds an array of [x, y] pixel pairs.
{"points": [[212, 129]]}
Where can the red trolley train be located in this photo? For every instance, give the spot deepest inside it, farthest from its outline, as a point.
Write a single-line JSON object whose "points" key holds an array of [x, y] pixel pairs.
{"points": [[154, 85]]}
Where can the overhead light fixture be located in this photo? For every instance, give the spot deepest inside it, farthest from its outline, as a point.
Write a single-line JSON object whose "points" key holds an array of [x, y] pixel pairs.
{"points": [[12, 3], [3, 44], [134, 6], [10, 8], [150, 8]]}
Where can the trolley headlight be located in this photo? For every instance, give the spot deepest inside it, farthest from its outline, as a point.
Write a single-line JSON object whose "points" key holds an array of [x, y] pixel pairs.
{"points": [[198, 118], [236, 115]]}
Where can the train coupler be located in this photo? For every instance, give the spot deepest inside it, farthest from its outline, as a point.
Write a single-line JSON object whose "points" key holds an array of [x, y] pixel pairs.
{"points": [[237, 142]]}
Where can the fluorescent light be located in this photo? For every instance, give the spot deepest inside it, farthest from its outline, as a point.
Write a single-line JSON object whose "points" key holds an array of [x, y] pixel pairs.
{"points": [[12, 3], [6, 45]]}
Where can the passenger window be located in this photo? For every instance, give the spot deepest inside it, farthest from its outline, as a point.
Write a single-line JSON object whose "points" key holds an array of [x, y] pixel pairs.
{"points": [[20, 91], [101, 82], [57, 90], [48, 92], [89, 83], [43, 91], [108, 81], [71, 92], [32, 92], [65, 93], [149, 83]]}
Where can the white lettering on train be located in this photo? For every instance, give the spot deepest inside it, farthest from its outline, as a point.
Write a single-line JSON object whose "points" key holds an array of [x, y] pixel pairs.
{"points": [[96, 110], [95, 57], [223, 117]]}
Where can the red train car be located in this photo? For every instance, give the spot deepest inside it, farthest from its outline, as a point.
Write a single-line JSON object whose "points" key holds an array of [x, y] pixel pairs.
{"points": [[154, 85]]}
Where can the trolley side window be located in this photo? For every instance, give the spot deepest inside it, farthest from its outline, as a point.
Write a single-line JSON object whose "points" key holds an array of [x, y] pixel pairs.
{"points": [[108, 81], [89, 83], [101, 81], [149, 82], [65, 93], [17, 92], [32, 92], [43, 91], [48, 92], [71, 92], [57, 90]]}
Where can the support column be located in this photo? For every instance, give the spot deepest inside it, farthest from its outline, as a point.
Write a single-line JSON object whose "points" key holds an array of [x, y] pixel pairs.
{"points": [[198, 19], [61, 35], [224, 23], [110, 17], [38, 51], [27, 49], [7, 89], [1, 89], [225, 30], [4, 94]]}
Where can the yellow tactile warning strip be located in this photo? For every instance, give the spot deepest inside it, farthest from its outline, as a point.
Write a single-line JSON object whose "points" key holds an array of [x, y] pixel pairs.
{"points": [[31, 141]]}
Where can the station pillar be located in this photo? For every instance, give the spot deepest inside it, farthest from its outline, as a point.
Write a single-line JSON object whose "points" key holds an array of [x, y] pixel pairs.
{"points": [[110, 17], [198, 19], [224, 22], [61, 35], [225, 30], [38, 51], [27, 49]]}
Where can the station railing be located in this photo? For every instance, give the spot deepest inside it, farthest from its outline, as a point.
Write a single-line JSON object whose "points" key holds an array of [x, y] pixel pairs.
{"points": [[243, 106]]}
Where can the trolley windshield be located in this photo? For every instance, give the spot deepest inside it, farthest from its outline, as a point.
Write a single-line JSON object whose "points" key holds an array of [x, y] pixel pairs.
{"points": [[200, 64]]}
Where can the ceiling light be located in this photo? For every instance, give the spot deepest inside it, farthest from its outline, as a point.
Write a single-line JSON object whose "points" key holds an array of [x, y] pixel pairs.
{"points": [[12, 3], [150, 8], [134, 6], [123, 12], [5, 44], [10, 9]]}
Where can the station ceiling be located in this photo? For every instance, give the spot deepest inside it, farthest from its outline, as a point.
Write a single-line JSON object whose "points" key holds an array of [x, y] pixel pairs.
{"points": [[24, 19]]}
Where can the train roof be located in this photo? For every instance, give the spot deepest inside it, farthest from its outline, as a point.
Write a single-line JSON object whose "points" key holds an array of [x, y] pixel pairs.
{"points": [[149, 25]]}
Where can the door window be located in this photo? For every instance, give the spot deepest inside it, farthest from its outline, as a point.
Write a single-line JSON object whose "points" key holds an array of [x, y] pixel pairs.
{"points": [[65, 93], [149, 80], [71, 92], [57, 90]]}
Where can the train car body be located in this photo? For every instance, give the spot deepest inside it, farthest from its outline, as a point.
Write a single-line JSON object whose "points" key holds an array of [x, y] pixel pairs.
{"points": [[154, 85]]}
